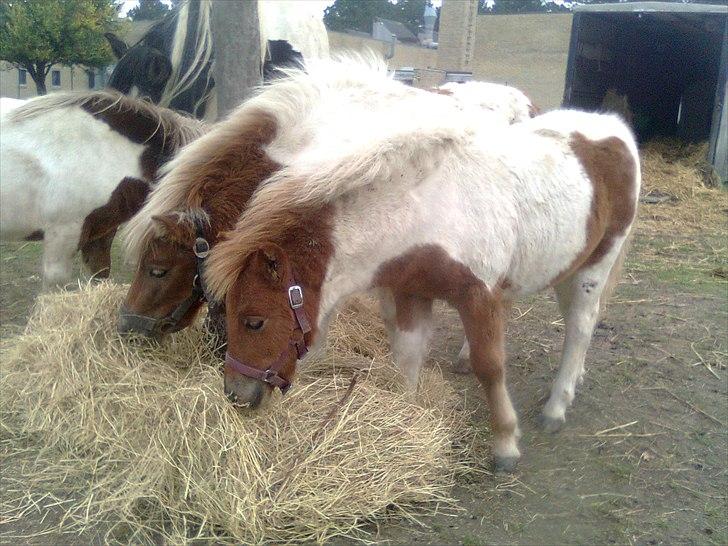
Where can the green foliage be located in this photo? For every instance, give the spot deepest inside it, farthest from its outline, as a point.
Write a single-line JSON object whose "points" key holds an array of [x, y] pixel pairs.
{"points": [[35, 34], [149, 10], [359, 14]]}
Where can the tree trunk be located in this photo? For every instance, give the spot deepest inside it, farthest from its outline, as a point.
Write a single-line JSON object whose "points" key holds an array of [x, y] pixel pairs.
{"points": [[38, 73], [236, 44]]}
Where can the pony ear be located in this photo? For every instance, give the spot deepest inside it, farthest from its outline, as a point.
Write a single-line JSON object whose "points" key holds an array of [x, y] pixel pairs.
{"points": [[118, 46], [271, 262]]}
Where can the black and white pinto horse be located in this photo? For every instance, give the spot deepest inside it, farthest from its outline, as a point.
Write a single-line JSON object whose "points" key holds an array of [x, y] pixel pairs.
{"points": [[172, 63]]}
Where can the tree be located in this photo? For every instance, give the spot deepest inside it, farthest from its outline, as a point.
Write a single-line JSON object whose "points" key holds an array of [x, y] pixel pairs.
{"points": [[360, 14], [35, 35], [149, 10], [236, 43]]}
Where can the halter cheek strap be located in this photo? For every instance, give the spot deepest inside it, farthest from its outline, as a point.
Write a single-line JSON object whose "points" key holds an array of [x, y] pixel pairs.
{"points": [[271, 375], [151, 325]]}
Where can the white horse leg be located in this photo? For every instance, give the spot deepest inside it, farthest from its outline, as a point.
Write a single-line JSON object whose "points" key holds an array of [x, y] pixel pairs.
{"points": [[409, 323], [463, 364], [60, 244], [578, 298]]}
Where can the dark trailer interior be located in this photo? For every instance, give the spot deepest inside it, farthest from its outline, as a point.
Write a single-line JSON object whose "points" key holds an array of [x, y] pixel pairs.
{"points": [[668, 59]]}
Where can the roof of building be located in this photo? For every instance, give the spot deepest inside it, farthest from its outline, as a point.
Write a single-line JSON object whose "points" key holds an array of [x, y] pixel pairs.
{"points": [[400, 31], [655, 7]]}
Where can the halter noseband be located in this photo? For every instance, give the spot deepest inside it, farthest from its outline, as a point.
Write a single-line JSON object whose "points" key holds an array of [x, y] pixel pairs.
{"points": [[150, 325], [271, 375]]}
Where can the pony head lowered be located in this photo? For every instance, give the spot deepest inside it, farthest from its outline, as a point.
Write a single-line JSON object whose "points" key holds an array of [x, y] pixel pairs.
{"points": [[207, 186], [272, 268]]}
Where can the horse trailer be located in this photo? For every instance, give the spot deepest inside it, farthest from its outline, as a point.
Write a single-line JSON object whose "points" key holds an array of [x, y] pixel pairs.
{"points": [[668, 61]]}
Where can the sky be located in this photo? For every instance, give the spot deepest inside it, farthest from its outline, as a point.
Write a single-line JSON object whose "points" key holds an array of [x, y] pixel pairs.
{"points": [[128, 4]]}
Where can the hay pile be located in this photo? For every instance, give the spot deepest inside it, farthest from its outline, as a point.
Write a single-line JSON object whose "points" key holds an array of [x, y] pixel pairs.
{"points": [[681, 172], [140, 443]]}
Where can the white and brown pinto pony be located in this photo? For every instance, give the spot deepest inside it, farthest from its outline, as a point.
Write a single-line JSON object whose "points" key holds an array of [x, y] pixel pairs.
{"points": [[436, 209], [73, 167]]}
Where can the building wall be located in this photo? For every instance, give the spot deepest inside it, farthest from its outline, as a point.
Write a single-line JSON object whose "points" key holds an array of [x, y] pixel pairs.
{"points": [[72, 79], [527, 51]]}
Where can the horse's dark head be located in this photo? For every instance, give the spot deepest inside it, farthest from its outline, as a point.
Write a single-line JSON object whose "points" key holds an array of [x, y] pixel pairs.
{"points": [[142, 69]]}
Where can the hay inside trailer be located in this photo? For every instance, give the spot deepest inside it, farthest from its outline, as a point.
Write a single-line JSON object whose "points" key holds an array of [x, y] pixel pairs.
{"points": [[141, 442]]}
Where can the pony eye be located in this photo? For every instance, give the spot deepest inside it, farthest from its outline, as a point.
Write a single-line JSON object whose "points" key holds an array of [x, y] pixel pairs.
{"points": [[254, 324], [157, 273]]}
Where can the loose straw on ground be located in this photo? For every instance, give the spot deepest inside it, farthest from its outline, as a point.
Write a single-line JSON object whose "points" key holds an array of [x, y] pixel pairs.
{"points": [[140, 442]]}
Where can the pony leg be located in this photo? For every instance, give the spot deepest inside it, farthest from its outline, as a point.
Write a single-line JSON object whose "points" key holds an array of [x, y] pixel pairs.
{"points": [[409, 323], [579, 298], [484, 319], [463, 366], [60, 244]]}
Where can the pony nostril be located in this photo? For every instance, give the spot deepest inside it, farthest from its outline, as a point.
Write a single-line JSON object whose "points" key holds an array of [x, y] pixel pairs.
{"points": [[232, 397]]}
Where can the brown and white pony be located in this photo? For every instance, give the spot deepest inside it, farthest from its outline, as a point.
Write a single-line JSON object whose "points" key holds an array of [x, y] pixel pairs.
{"points": [[435, 210], [73, 167], [207, 188]]}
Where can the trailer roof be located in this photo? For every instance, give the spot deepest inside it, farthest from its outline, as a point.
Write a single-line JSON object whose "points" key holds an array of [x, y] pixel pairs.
{"points": [[654, 7]]}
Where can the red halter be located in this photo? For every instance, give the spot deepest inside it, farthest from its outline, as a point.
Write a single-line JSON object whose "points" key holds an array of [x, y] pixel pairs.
{"points": [[271, 375]]}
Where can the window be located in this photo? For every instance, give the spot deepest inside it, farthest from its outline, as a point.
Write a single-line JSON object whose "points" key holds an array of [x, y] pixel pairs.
{"points": [[22, 77], [91, 79], [56, 78]]}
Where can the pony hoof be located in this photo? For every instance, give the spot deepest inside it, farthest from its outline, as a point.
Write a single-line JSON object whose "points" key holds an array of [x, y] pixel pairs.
{"points": [[463, 367], [551, 424], [504, 465]]}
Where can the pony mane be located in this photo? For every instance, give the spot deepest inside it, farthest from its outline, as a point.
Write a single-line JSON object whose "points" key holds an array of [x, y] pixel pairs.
{"points": [[180, 81], [274, 108], [176, 130], [404, 154]]}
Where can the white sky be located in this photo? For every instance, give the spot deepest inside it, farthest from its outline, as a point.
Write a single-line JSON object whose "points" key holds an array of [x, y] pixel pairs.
{"points": [[128, 4]]}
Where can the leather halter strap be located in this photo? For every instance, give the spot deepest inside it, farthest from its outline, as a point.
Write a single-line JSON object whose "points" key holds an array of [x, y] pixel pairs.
{"points": [[271, 375], [152, 325]]}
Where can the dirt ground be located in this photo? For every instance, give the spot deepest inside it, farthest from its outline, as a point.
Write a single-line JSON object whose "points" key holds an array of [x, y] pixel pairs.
{"points": [[643, 456]]}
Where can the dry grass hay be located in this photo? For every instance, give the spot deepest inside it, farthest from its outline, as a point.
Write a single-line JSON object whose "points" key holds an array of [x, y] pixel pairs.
{"points": [[140, 442], [681, 170]]}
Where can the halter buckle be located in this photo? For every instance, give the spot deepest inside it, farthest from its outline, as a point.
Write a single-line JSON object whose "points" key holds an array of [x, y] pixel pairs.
{"points": [[201, 248], [295, 296]]}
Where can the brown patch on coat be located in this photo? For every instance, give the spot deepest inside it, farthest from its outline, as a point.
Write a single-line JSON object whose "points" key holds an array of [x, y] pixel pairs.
{"points": [[428, 272], [138, 127], [612, 171], [124, 202]]}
